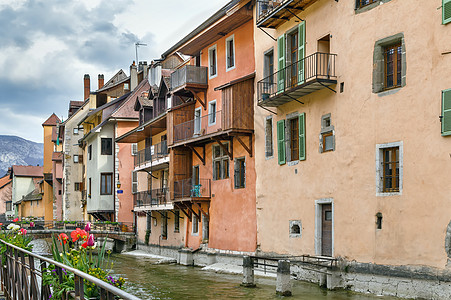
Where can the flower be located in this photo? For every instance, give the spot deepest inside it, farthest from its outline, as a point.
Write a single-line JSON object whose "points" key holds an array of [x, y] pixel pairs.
{"points": [[78, 233], [90, 240], [13, 227], [84, 245], [88, 227], [15, 220], [32, 224], [63, 237], [23, 231]]}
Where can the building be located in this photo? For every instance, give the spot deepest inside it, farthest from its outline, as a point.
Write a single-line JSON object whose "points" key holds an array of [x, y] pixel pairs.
{"points": [[351, 126], [30, 206], [25, 179], [5, 195]]}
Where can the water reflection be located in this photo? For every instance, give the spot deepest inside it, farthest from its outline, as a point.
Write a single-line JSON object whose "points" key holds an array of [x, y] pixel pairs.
{"points": [[150, 281]]}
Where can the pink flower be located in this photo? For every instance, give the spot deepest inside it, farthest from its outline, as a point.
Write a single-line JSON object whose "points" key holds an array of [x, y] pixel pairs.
{"points": [[31, 224], [23, 231], [90, 240], [15, 220], [88, 227]]}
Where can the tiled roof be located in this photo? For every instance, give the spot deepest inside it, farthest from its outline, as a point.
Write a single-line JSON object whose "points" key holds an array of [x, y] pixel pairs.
{"points": [[4, 181], [145, 102], [52, 120], [32, 196], [57, 156], [126, 109], [76, 103], [28, 171], [167, 81]]}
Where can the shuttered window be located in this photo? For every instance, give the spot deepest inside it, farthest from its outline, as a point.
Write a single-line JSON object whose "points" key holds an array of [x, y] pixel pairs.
{"points": [[446, 112], [281, 142], [301, 52], [134, 182], [446, 11], [302, 136], [281, 63]]}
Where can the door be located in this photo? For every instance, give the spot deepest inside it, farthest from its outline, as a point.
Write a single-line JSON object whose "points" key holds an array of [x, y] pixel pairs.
{"points": [[197, 120], [326, 230]]}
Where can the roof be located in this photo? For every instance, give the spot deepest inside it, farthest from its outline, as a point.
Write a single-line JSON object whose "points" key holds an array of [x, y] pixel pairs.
{"points": [[76, 103], [27, 171], [4, 181], [118, 78], [126, 109], [57, 156], [52, 120], [34, 195], [143, 102]]}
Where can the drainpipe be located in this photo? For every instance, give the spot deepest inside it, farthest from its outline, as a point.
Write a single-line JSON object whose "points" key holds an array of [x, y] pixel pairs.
{"points": [[159, 245], [186, 232]]}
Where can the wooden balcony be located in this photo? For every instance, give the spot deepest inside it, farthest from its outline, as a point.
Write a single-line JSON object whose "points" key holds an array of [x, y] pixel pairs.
{"points": [[152, 158], [189, 77], [187, 189], [273, 13], [313, 73]]}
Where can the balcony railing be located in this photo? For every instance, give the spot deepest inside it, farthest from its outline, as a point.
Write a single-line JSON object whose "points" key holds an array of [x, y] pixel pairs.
{"points": [[189, 75], [300, 78], [200, 126], [266, 7], [151, 153], [362, 3], [153, 197], [187, 188]]}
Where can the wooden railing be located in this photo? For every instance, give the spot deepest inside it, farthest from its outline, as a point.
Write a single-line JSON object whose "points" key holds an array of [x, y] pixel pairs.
{"points": [[189, 75], [151, 153], [22, 278]]}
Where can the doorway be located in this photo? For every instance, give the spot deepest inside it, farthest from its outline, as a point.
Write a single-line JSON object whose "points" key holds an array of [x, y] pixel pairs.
{"points": [[324, 227]]}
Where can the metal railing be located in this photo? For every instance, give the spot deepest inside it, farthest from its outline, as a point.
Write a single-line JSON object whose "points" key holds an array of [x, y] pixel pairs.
{"points": [[189, 75], [266, 7], [151, 153], [187, 188], [315, 66], [72, 225], [199, 126], [22, 269], [362, 3], [151, 198]]}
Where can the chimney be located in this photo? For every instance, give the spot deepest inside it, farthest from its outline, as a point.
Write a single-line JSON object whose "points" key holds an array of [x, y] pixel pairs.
{"points": [[101, 81], [87, 86], [133, 76], [145, 69]]}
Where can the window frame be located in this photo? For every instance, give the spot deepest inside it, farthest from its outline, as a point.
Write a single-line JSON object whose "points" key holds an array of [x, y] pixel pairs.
{"points": [[239, 173], [227, 41], [134, 149], [176, 221], [106, 176], [76, 159], [194, 225], [397, 74], [90, 152], [105, 150], [380, 170], [269, 142], [327, 129], [222, 161], [210, 50], [210, 113], [76, 131], [134, 182]]}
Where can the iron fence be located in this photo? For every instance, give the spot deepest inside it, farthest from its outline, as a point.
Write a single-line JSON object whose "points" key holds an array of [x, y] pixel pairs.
{"points": [[315, 66], [22, 278], [72, 225], [151, 153], [151, 197], [187, 188]]}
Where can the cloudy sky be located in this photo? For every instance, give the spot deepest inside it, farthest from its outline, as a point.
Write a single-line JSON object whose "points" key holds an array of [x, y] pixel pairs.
{"points": [[46, 46]]}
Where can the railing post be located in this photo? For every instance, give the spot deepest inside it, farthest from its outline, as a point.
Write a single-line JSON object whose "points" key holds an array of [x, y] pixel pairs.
{"points": [[248, 272], [283, 285]]}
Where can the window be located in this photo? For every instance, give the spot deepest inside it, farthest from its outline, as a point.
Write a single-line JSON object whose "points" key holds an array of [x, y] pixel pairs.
{"points": [[77, 186], [291, 138], [268, 138], [106, 146], [268, 66], [59, 192], [106, 184], [212, 62], [176, 220], [75, 130], [446, 11], [90, 188], [134, 182], [379, 220], [389, 169], [164, 225], [9, 205], [197, 120], [327, 136], [230, 53], [240, 173], [195, 224], [446, 112], [212, 112], [220, 162], [126, 86], [389, 63], [90, 152], [134, 149], [295, 229], [76, 159]]}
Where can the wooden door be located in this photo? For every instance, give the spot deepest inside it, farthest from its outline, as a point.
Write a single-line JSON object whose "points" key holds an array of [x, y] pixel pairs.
{"points": [[326, 230]]}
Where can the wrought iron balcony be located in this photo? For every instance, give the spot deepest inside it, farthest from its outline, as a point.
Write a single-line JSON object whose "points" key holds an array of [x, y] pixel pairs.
{"points": [[189, 77], [188, 188], [308, 75], [151, 154], [153, 197], [272, 13]]}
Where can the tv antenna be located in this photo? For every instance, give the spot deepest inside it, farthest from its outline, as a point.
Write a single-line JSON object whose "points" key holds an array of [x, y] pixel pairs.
{"points": [[137, 44]]}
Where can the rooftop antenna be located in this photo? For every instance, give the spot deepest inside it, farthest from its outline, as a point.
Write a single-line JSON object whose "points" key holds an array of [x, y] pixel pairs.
{"points": [[137, 44]]}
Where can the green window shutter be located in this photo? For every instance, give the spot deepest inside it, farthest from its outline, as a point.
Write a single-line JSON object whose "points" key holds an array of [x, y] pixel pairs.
{"points": [[446, 11], [446, 112], [301, 52], [281, 141], [302, 136], [281, 63]]}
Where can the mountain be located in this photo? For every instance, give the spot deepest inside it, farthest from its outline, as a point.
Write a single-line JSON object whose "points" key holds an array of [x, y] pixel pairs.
{"points": [[15, 150]]}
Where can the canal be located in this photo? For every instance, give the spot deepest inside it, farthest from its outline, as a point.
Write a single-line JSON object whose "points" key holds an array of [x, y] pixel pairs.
{"points": [[148, 280]]}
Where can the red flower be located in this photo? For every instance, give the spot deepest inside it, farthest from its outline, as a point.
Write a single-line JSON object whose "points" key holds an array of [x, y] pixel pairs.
{"points": [[78, 233], [23, 231], [63, 237], [15, 220], [85, 244]]}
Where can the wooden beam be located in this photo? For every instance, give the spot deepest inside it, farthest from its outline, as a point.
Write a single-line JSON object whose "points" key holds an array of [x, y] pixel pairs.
{"points": [[230, 154], [181, 208], [202, 159], [198, 99], [172, 211], [191, 210], [200, 208], [248, 149], [162, 215]]}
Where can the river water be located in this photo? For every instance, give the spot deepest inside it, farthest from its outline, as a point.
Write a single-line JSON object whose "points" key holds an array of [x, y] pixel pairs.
{"points": [[148, 280]]}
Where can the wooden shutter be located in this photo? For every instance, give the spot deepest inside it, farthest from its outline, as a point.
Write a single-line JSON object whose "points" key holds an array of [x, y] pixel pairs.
{"points": [[80, 159], [237, 173], [281, 141], [302, 136], [446, 11], [301, 52], [281, 63], [446, 112]]}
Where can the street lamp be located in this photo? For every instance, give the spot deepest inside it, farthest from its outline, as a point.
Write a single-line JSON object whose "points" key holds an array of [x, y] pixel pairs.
{"points": [[118, 184]]}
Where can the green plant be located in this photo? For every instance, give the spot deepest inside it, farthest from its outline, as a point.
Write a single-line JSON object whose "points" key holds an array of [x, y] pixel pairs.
{"points": [[15, 235]]}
